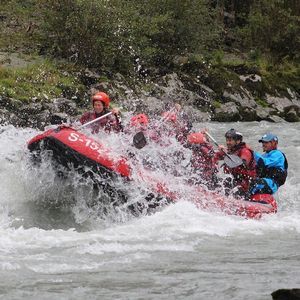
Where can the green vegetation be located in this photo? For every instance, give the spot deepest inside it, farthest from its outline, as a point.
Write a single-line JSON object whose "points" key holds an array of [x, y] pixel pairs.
{"points": [[272, 28], [39, 80], [284, 75], [122, 35], [19, 21], [220, 39], [261, 102], [217, 104]]}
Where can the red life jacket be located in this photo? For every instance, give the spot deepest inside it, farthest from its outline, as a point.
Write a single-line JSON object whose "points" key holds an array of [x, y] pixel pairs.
{"points": [[245, 173], [179, 125], [108, 123], [203, 160]]}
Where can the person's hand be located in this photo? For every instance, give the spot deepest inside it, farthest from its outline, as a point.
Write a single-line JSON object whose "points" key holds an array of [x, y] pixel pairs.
{"points": [[65, 125], [222, 148], [204, 130], [115, 111]]}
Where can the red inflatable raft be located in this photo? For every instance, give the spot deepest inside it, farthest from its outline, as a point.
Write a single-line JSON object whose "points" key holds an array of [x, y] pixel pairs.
{"points": [[70, 147]]}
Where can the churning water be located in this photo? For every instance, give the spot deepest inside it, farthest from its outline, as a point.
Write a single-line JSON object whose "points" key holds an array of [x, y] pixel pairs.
{"points": [[52, 246]]}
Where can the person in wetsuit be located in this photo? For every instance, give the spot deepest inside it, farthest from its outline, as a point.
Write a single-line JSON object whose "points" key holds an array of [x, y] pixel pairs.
{"points": [[271, 167], [243, 174], [101, 102]]}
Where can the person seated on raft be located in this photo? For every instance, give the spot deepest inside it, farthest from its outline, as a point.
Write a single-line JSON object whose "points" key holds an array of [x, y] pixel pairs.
{"points": [[180, 126], [169, 125], [139, 123], [203, 164], [139, 127], [271, 167], [244, 173], [101, 102], [174, 123], [142, 133]]}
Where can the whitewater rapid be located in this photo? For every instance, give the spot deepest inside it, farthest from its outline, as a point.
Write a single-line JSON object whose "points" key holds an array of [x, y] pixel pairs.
{"points": [[180, 252]]}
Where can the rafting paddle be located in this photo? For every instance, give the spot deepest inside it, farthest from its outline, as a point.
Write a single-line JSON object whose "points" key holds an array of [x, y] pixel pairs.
{"points": [[230, 160], [93, 121], [139, 140]]}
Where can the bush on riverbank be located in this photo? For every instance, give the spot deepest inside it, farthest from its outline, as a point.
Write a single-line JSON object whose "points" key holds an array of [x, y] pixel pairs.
{"points": [[147, 36], [125, 37]]}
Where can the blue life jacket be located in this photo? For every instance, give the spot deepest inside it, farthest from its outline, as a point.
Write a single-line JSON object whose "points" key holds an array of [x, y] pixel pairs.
{"points": [[272, 165]]}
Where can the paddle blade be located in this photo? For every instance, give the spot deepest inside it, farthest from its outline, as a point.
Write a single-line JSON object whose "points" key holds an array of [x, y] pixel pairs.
{"points": [[139, 140], [233, 161]]}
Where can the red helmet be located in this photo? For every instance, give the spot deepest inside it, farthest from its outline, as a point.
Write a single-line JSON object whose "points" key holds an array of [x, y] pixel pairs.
{"points": [[196, 138], [140, 119], [169, 116], [100, 96]]}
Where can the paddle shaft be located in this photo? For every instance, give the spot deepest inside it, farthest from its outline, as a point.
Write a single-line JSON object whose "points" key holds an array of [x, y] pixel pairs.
{"points": [[93, 121]]}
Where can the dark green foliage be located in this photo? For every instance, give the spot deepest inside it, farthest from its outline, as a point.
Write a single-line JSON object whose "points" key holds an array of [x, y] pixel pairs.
{"points": [[139, 36], [89, 32], [273, 28], [178, 27], [120, 35]]}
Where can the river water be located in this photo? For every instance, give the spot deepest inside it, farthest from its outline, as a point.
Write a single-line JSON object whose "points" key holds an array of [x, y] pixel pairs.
{"points": [[178, 253]]}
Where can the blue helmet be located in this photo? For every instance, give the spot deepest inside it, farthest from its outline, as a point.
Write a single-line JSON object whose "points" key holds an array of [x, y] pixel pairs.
{"points": [[268, 137]]}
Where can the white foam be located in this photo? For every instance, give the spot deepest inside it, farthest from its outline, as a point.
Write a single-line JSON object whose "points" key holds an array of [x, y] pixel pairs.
{"points": [[166, 229]]}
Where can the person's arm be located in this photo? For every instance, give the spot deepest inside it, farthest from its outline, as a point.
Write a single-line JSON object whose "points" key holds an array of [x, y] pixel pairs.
{"points": [[218, 155], [85, 118], [246, 169], [119, 125], [207, 150], [114, 121]]}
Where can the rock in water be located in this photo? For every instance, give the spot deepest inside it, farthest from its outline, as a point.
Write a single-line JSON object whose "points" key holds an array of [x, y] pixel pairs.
{"points": [[286, 294]]}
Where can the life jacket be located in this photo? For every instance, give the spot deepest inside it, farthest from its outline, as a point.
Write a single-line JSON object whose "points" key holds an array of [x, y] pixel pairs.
{"points": [[108, 123], [275, 173], [179, 125], [203, 160], [244, 171], [244, 174]]}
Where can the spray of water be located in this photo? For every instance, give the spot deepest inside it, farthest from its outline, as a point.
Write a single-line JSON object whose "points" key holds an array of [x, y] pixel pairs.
{"points": [[46, 197]]}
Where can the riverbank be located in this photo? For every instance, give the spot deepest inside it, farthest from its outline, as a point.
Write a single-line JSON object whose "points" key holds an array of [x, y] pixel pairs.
{"points": [[215, 65], [35, 91]]}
